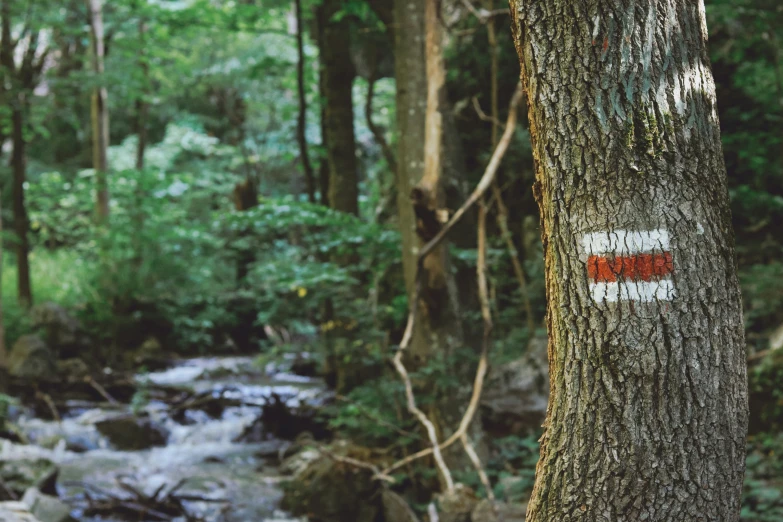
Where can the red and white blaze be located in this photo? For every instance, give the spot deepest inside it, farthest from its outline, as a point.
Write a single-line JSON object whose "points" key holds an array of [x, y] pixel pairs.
{"points": [[625, 265]]}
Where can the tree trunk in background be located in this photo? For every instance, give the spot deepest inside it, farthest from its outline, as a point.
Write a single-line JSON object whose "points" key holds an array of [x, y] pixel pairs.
{"points": [[424, 166], [648, 403], [19, 169], [337, 84], [3, 353], [142, 106], [301, 126], [99, 112]]}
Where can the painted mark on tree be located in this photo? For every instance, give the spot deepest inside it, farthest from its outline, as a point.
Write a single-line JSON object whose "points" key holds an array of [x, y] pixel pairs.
{"points": [[625, 265]]}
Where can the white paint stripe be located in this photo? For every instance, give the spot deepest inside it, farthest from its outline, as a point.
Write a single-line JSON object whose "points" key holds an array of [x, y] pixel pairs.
{"points": [[643, 291], [625, 242]]}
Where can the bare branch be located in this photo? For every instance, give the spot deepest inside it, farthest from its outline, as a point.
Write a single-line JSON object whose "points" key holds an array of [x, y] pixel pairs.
{"points": [[481, 371], [483, 115]]}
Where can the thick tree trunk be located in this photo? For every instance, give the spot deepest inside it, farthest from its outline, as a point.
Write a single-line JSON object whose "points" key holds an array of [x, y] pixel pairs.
{"points": [[99, 112], [337, 84], [19, 168], [648, 404], [301, 125]]}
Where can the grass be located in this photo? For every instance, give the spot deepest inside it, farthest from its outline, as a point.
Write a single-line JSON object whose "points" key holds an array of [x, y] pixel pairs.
{"points": [[60, 276]]}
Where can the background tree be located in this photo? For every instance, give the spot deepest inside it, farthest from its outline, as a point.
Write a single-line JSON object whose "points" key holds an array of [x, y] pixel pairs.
{"points": [[99, 111], [338, 75], [648, 404]]}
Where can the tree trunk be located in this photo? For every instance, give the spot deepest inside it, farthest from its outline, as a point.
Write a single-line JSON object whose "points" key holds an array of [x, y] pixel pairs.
{"points": [[142, 106], [3, 353], [301, 126], [338, 81], [19, 168], [425, 166], [99, 112], [648, 404]]}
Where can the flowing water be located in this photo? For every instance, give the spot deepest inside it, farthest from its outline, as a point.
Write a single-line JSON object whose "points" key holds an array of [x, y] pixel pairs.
{"points": [[226, 481]]}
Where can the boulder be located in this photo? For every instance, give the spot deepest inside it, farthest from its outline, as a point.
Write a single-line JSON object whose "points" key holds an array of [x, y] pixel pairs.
{"points": [[63, 332], [16, 512], [21, 474], [333, 491], [31, 358], [396, 508], [72, 370], [47, 508], [131, 433], [457, 505], [516, 395]]}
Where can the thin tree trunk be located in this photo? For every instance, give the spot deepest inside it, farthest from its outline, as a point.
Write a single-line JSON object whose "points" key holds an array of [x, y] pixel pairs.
{"points": [[99, 112], [302, 121], [502, 214], [648, 405], [3, 353], [142, 106], [338, 83], [19, 168]]}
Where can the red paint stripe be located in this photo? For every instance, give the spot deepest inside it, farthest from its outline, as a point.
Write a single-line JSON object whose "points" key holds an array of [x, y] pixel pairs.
{"points": [[639, 267]]}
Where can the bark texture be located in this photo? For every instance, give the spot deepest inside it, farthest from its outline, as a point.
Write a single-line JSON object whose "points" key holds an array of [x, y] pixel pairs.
{"points": [[338, 75], [648, 404], [99, 112]]}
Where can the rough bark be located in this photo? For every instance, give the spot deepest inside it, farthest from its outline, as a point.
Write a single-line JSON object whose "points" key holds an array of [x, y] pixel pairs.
{"points": [[99, 112], [338, 75], [648, 404], [301, 126]]}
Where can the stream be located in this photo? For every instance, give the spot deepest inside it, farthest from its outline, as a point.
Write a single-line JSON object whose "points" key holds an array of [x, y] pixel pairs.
{"points": [[223, 475]]}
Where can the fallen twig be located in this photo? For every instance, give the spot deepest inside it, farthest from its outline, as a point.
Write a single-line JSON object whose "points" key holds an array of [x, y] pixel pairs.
{"points": [[100, 389]]}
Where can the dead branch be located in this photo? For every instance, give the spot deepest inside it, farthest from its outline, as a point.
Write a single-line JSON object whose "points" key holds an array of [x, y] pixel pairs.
{"points": [[483, 116], [483, 15], [48, 400], [377, 474], [431, 433], [478, 383], [486, 314], [100, 389]]}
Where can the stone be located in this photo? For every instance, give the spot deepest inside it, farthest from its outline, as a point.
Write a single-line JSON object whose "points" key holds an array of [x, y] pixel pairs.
{"points": [[127, 432], [396, 509], [63, 332], [332, 491], [516, 395], [458, 504], [72, 370], [16, 512], [31, 358], [47, 508], [21, 474]]}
